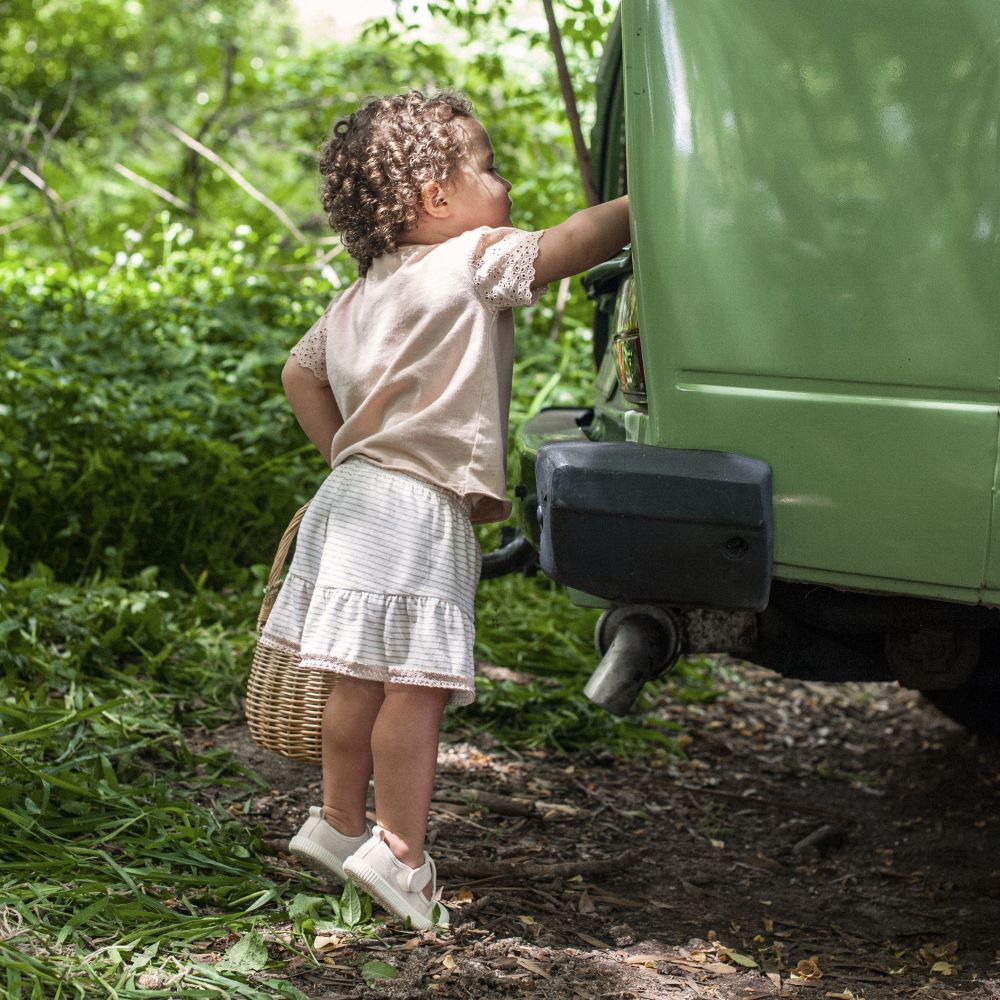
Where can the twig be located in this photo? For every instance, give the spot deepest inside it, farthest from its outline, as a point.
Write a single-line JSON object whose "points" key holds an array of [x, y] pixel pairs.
{"points": [[572, 115], [35, 217], [751, 799], [50, 133], [194, 164], [135, 178], [560, 310], [38, 181], [522, 869], [470, 910], [234, 175], [827, 835], [500, 804]]}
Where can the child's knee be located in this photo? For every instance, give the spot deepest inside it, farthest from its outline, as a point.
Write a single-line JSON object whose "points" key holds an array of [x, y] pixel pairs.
{"points": [[418, 695]]}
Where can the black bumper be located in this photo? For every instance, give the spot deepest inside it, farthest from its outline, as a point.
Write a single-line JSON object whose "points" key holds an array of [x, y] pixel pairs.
{"points": [[634, 523]]}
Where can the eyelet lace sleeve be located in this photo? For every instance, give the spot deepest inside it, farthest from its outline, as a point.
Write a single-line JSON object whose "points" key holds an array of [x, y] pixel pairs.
{"points": [[503, 268], [310, 351]]}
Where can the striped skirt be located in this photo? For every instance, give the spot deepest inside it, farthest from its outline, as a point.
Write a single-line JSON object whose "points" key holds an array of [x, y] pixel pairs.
{"points": [[382, 582]]}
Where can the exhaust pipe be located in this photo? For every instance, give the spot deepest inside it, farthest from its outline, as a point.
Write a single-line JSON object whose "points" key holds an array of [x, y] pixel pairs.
{"points": [[637, 643]]}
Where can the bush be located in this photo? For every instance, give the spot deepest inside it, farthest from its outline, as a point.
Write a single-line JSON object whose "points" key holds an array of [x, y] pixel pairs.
{"points": [[141, 413]]}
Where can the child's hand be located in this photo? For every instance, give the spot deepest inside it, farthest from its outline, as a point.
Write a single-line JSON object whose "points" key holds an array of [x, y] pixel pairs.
{"points": [[585, 239]]}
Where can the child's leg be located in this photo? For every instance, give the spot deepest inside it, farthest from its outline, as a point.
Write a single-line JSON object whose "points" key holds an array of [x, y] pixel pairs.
{"points": [[404, 745], [348, 719]]}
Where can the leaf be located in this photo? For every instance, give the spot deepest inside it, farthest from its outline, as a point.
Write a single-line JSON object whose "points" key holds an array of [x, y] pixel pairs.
{"points": [[808, 968], [740, 959], [944, 968], [596, 942], [350, 906], [303, 905], [323, 941], [719, 968], [144, 957], [527, 963], [373, 971], [249, 954], [286, 989]]}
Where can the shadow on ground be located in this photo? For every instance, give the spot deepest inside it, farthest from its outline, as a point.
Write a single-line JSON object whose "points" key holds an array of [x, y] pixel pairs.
{"points": [[818, 841]]}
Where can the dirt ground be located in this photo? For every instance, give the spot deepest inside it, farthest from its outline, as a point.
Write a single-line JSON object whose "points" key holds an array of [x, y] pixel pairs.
{"points": [[818, 842]]}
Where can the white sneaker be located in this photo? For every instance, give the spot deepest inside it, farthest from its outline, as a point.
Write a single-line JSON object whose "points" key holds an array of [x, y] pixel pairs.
{"points": [[322, 848], [398, 887]]}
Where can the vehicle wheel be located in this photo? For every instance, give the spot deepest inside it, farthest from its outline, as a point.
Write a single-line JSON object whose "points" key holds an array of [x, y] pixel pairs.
{"points": [[975, 705]]}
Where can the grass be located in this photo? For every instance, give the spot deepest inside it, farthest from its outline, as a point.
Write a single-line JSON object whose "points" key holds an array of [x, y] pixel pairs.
{"points": [[124, 858]]}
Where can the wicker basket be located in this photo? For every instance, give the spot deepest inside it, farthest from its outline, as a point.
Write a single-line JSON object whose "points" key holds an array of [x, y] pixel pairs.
{"points": [[284, 705]]}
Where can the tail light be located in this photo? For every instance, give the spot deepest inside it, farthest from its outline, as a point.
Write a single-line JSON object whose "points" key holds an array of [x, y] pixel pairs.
{"points": [[627, 348]]}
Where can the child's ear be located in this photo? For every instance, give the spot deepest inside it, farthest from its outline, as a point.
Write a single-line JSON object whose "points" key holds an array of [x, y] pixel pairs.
{"points": [[433, 200]]}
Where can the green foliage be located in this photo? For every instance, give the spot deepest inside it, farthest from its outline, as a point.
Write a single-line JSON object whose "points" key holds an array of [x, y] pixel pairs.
{"points": [[148, 428], [113, 828]]}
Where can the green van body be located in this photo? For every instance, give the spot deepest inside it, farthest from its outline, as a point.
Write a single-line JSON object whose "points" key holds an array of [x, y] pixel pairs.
{"points": [[815, 196]]}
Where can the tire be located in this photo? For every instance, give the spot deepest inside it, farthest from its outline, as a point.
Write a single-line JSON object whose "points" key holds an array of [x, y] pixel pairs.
{"points": [[975, 705]]}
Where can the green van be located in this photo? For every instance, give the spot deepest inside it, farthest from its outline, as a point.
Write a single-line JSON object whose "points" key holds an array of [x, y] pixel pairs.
{"points": [[792, 450]]}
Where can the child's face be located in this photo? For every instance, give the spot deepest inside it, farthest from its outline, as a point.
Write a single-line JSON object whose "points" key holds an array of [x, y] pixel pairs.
{"points": [[477, 194]]}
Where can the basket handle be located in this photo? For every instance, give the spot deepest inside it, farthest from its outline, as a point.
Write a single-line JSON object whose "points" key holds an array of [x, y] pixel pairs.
{"points": [[274, 578]]}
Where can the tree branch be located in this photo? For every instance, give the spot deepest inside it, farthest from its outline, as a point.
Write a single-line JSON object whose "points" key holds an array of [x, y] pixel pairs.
{"points": [[572, 115], [230, 171], [135, 178]]}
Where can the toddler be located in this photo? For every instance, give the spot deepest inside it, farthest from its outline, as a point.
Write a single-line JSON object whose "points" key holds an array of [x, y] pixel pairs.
{"points": [[404, 386]]}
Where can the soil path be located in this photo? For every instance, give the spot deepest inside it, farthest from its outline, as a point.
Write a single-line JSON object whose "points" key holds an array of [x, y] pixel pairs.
{"points": [[818, 842]]}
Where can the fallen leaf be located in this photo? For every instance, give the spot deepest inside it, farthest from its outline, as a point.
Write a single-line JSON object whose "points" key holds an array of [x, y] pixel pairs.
{"points": [[645, 959], [449, 961], [464, 895], [527, 963], [372, 971], [737, 957], [525, 919], [808, 968], [323, 941], [622, 901], [719, 968], [249, 954], [585, 904], [944, 968], [930, 953], [846, 995], [596, 942]]}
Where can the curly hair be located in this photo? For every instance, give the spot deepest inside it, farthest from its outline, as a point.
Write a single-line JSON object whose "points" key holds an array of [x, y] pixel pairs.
{"points": [[376, 161]]}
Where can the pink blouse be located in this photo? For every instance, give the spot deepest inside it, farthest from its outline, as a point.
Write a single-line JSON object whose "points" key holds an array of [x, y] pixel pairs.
{"points": [[419, 355]]}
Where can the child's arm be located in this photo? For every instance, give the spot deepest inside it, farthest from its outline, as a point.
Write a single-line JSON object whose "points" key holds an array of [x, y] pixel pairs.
{"points": [[584, 240], [313, 405]]}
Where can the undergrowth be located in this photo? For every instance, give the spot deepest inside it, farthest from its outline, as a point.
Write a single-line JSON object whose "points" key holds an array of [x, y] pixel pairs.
{"points": [[125, 863]]}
